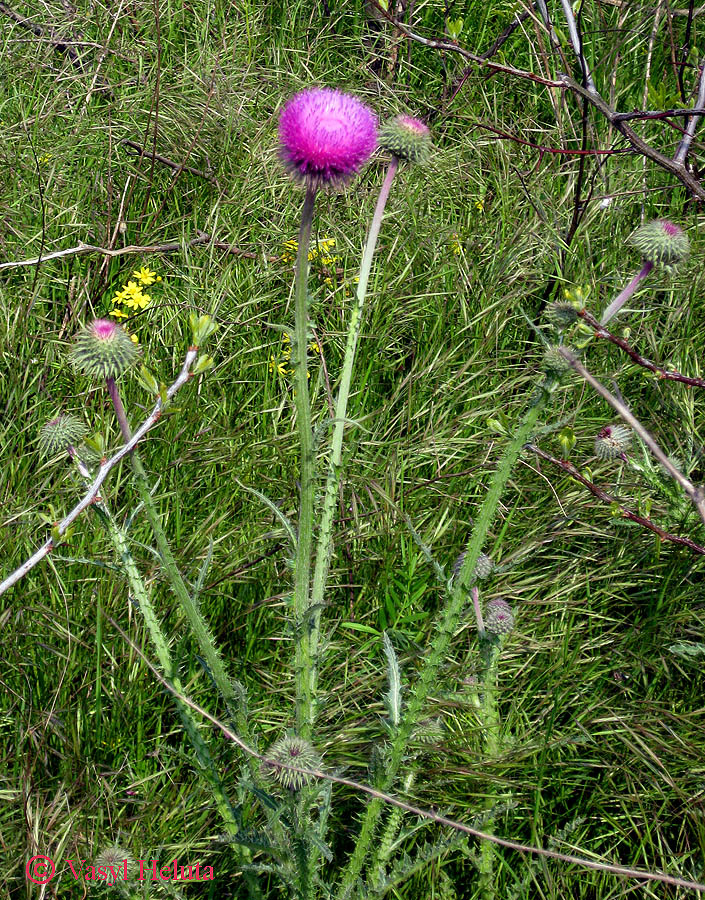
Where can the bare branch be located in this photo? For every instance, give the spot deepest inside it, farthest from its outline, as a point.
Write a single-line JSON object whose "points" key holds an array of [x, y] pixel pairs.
{"points": [[170, 247], [670, 165], [452, 47], [93, 492], [695, 493], [164, 160], [570, 469], [666, 374], [684, 146]]}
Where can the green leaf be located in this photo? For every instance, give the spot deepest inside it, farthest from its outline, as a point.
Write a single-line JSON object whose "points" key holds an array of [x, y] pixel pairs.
{"points": [[392, 699]]}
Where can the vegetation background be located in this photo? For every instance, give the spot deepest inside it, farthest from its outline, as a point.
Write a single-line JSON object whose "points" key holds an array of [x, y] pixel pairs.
{"points": [[605, 714]]}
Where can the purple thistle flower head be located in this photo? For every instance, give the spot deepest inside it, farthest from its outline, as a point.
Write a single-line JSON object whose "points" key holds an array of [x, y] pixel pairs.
{"points": [[325, 136]]}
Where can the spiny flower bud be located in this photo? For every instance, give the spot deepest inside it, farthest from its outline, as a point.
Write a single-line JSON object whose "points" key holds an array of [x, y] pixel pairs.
{"points": [[59, 434], [661, 243], [555, 365], [561, 314], [296, 752], [483, 566], [103, 350], [499, 617], [612, 442], [115, 859], [406, 138]]}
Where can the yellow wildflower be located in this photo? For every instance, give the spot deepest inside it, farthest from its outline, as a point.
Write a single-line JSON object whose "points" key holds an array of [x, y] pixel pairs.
{"points": [[118, 313], [276, 366], [146, 276], [313, 347]]}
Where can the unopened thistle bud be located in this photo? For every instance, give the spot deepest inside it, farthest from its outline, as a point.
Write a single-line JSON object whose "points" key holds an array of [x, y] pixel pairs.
{"points": [[483, 566], [555, 365], [59, 434], [116, 860], [406, 138], [612, 442], [499, 617], [562, 314], [103, 350], [661, 243], [294, 751]]}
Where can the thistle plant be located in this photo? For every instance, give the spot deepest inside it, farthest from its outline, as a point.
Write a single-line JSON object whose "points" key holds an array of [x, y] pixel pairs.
{"points": [[325, 137]]}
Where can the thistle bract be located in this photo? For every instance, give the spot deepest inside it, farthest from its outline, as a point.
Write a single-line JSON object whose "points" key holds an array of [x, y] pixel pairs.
{"points": [[296, 752], [661, 243], [561, 314], [325, 136], [406, 138], [59, 434], [555, 365], [483, 566], [612, 442], [115, 859], [499, 617], [103, 350]]}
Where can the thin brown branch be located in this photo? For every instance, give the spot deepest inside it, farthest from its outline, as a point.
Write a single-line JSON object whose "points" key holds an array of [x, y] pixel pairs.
{"points": [[165, 161], [427, 814], [626, 513], [452, 47], [169, 247], [45, 31], [695, 493], [658, 114], [666, 374], [670, 165]]}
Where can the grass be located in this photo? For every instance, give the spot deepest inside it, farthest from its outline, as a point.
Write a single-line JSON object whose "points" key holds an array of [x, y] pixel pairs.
{"points": [[606, 721]]}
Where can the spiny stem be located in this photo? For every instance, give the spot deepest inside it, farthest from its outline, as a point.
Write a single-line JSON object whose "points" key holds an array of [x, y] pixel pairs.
{"points": [[325, 534], [444, 630], [489, 716], [141, 595], [232, 691], [302, 565]]}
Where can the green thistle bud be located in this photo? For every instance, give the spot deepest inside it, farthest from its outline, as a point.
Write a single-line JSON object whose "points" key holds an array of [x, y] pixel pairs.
{"points": [[103, 350], [117, 859], [406, 138], [562, 314], [612, 442], [555, 365], [430, 731], [661, 243], [294, 751], [61, 433], [499, 617], [483, 566]]}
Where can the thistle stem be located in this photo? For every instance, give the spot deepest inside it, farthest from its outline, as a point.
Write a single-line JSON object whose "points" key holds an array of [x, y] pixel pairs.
{"points": [[489, 717], [446, 626], [325, 534], [625, 294], [302, 564], [232, 691], [140, 593]]}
